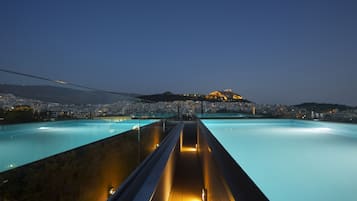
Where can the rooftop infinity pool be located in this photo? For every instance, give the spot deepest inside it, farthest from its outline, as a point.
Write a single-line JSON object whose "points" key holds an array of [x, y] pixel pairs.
{"points": [[292, 159], [24, 143]]}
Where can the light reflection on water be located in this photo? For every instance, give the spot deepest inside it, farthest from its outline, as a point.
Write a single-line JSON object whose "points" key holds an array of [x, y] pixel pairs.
{"points": [[294, 160], [24, 143]]}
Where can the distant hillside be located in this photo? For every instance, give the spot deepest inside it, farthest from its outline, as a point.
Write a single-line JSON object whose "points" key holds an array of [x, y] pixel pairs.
{"points": [[323, 107], [168, 96], [64, 95]]}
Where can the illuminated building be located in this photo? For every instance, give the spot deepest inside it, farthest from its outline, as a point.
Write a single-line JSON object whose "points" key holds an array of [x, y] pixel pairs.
{"points": [[225, 95]]}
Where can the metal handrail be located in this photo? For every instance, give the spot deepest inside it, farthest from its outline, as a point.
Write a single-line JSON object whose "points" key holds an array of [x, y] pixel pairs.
{"points": [[142, 183]]}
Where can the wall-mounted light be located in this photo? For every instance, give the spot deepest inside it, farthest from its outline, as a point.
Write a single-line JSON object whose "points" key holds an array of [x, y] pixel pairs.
{"points": [[111, 191], [136, 127], [204, 194], [11, 165]]}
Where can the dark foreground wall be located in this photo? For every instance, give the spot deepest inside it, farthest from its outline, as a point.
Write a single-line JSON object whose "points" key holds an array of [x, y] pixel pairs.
{"points": [[223, 178], [82, 174], [215, 185]]}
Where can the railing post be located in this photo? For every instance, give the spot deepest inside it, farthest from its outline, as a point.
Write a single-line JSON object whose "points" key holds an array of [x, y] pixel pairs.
{"points": [[181, 140]]}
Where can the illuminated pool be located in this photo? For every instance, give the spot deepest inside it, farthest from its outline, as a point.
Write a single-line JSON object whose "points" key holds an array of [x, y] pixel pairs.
{"points": [[292, 159], [25, 143]]}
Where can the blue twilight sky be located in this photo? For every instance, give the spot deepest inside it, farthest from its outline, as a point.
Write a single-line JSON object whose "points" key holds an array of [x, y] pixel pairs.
{"points": [[287, 51]]}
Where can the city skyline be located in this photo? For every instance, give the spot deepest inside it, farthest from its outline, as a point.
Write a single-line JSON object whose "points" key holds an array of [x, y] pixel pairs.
{"points": [[269, 52]]}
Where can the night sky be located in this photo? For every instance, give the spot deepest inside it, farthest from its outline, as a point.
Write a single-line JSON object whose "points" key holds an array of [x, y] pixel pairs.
{"points": [[268, 51]]}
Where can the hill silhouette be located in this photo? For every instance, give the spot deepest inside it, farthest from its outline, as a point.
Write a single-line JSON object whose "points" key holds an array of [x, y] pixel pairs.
{"points": [[64, 95]]}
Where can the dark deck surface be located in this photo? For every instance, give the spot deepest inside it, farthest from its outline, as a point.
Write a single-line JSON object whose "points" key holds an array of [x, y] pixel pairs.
{"points": [[188, 180]]}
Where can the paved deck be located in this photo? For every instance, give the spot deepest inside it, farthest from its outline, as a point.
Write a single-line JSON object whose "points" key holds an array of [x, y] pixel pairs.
{"points": [[188, 180]]}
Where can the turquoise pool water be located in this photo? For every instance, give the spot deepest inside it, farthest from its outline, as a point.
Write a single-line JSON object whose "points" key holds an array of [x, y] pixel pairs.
{"points": [[292, 159], [25, 143]]}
